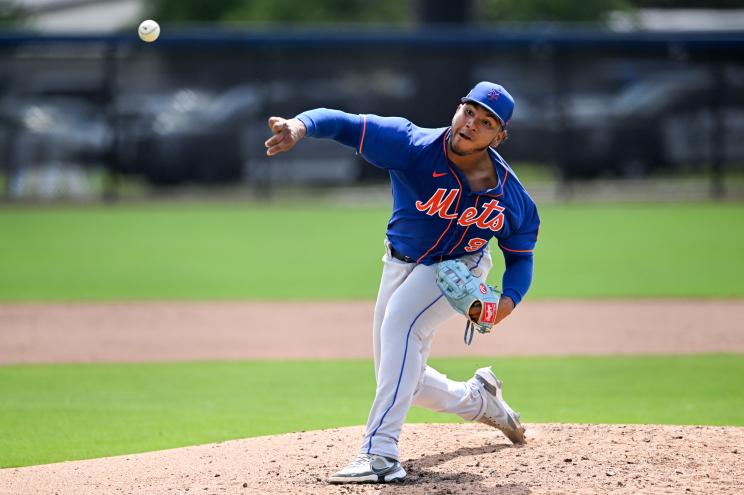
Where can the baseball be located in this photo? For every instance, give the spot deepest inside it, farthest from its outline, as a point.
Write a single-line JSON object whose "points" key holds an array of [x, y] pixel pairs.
{"points": [[149, 31]]}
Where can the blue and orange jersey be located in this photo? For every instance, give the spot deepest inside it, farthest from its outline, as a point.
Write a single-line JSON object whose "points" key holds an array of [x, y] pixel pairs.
{"points": [[436, 215]]}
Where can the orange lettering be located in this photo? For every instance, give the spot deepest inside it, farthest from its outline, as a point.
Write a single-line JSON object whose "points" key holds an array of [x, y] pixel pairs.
{"points": [[468, 216], [438, 204], [497, 223]]}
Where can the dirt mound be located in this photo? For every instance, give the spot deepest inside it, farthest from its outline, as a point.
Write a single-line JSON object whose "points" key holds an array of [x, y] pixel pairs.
{"points": [[440, 459]]}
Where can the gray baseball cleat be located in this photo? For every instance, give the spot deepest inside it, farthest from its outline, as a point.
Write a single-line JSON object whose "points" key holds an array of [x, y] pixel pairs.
{"points": [[368, 468], [498, 413]]}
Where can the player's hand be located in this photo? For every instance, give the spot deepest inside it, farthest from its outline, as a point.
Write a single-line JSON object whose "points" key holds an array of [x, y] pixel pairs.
{"points": [[286, 134], [506, 306]]}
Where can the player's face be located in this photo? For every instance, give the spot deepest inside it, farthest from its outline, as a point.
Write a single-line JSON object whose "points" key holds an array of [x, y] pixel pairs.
{"points": [[474, 129]]}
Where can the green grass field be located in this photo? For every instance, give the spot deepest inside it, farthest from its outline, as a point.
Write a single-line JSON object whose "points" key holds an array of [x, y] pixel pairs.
{"points": [[60, 412], [198, 251]]}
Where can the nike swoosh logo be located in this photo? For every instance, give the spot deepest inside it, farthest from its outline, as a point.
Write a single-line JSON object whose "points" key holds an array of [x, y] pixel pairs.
{"points": [[436, 175]]}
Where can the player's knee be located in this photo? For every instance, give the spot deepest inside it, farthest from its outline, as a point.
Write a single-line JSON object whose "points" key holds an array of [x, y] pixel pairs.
{"points": [[396, 317], [400, 320]]}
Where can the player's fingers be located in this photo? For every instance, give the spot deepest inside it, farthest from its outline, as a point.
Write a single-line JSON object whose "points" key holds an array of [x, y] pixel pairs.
{"points": [[284, 145], [276, 149], [274, 140], [273, 120], [279, 126]]}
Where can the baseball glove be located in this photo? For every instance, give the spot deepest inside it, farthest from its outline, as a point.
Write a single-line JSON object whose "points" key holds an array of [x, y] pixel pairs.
{"points": [[469, 296]]}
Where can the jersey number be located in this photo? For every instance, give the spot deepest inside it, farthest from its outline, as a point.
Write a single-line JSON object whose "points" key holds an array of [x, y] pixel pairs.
{"points": [[475, 244]]}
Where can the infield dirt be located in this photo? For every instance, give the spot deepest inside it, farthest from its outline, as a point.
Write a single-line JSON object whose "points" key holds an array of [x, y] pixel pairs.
{"points": [[178, 331], [440, 459]]}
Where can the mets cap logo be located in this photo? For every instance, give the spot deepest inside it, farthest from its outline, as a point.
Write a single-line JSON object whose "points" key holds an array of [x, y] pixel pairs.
{"points": [[493, 95]]}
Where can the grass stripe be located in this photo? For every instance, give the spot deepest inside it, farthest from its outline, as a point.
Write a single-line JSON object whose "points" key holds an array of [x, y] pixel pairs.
{"points": [[198, 251], [62, 412]]}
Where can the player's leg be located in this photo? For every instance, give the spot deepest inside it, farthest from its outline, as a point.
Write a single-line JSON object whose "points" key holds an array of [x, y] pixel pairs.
{"points": [[415, 309], [477, 399], [406, 317], [388, 339], [437, 392], [394, 272], [440, 394]]}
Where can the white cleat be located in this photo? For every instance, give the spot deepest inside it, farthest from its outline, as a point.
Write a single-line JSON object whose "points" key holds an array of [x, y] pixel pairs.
{"points": [[368, 468], [498, 413]]}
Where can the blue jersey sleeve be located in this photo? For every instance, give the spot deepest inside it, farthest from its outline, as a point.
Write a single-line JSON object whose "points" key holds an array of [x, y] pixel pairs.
{"points": [[383, 141], [517, 276], [324, 123], [518, 257], [523, 240]]}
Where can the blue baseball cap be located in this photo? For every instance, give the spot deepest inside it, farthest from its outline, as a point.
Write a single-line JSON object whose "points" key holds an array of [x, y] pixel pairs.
{"points": [[494, 98]]}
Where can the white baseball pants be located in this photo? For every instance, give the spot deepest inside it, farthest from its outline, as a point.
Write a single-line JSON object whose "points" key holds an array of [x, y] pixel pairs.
{"points": [[410, 307]]}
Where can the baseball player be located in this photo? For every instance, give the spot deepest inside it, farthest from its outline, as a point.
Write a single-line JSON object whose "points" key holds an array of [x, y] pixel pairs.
{"points": [[452, 193]]}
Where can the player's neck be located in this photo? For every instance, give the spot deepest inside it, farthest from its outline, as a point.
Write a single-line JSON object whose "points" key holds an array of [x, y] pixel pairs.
{"points": [[468, 163]]}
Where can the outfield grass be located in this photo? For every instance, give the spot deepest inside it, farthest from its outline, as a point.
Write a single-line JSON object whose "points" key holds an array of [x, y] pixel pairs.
{"points": [[61, 412], [198, 251]]}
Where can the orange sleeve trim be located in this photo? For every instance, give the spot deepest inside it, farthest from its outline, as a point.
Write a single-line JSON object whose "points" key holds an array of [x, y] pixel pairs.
{"points": [[516, 250], [364, 131]]}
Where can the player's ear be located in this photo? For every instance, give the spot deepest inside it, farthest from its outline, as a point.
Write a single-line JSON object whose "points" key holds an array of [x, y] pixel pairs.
{"points": [[500, 138]]}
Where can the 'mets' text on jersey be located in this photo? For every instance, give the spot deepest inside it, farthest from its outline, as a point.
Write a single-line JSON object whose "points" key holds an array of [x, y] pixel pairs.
{"points": [[436, 216]]}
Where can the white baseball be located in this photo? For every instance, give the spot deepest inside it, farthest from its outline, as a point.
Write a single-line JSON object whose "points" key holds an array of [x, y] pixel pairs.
{"points": [[149, 31]]}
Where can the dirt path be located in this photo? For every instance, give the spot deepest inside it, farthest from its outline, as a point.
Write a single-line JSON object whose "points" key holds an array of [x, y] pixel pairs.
{"points": [[441, 459], [174, 331]]}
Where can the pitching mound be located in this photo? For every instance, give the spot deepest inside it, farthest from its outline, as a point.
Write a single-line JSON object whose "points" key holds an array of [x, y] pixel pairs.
{"points": [[440, 459]]}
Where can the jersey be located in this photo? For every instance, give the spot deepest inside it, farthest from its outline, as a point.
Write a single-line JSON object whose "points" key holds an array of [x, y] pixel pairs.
{"points": [[436, 215]]}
